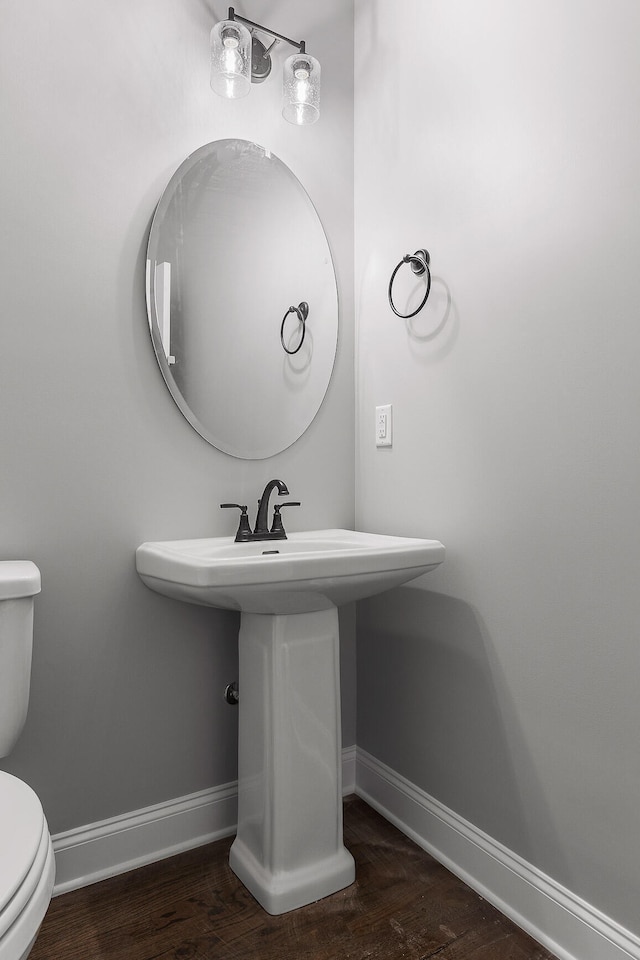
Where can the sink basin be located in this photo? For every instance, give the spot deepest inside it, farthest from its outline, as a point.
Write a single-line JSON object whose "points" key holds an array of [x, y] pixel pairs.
{"points": [[307, 572]]}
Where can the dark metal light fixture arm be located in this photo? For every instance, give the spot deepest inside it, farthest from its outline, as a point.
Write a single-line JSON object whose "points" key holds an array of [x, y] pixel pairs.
{"points": [[257, 26]]}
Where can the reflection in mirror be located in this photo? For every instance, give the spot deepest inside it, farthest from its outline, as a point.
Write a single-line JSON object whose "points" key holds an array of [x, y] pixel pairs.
{"points": [[242, 300]]}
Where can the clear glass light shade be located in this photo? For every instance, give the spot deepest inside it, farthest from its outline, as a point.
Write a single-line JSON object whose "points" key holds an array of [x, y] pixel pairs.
{"points": [[230, 59], [301, 89]]}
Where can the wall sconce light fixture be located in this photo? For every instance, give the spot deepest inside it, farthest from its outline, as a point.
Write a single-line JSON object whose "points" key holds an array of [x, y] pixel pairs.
{"points": [[239, 58]]}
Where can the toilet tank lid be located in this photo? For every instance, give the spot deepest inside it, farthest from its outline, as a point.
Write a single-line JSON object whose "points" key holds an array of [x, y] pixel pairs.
{"points": [[18, 578]]}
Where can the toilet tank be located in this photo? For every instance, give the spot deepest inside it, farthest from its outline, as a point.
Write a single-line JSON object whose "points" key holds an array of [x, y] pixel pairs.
{"points": [[19, 583]]}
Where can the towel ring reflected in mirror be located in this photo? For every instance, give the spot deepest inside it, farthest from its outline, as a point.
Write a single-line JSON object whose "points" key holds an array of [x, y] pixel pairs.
{"points": [[419, 262], [302, 312]]}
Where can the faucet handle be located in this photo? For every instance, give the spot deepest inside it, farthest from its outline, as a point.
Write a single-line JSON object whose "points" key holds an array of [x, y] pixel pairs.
{"points": [[244, 530], [276, 526]]}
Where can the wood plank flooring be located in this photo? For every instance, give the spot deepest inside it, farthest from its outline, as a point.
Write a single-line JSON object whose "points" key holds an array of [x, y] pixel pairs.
{"points": [[403, 906]]}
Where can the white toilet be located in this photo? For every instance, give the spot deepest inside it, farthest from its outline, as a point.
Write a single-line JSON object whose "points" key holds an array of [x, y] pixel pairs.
{"points": [[27, 867]]}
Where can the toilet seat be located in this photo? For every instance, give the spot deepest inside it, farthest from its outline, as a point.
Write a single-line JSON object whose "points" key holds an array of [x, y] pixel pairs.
{"points": [[21, 820], [26, 867]]}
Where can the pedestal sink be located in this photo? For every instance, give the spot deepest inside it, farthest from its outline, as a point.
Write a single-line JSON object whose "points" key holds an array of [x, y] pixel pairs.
{"points": [[288, 850]]}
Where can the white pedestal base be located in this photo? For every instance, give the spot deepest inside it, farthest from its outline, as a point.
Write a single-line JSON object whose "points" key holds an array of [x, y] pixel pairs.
{"points": [[289, 851]]}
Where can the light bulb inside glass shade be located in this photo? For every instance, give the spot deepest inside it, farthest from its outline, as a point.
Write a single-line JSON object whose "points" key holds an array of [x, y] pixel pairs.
{"points": [[301, 89], [230, 59]]}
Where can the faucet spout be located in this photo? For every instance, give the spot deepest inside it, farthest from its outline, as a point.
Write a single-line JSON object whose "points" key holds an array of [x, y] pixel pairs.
{"points": [[261, 526]]}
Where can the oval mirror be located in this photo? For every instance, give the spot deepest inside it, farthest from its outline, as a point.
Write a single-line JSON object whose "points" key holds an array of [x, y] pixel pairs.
{"points": [[242, 299]]}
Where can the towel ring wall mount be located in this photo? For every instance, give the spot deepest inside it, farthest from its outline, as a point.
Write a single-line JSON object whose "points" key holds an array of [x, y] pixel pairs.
{"points": [[419, 263]]}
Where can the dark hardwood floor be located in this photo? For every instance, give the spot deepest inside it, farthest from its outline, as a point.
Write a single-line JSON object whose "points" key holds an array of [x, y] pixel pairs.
{"points": [[403, 906]]}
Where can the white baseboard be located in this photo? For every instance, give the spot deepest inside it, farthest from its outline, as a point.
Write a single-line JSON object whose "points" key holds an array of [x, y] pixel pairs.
{"points": [[91, 853], [558, 919], [95, 852], [349, 770]]}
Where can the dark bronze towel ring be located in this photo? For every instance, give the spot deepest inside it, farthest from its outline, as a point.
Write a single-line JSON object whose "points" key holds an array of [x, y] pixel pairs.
{"points": [[302, 312], [419, 262]]}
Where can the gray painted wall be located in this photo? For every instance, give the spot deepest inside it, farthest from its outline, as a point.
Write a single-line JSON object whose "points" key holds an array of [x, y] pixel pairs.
{"points": [[507, 143], [100, 103], [504, 137]]}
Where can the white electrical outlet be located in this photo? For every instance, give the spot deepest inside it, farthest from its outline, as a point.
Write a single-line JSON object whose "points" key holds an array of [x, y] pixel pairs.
{"points": [[384, 426]]}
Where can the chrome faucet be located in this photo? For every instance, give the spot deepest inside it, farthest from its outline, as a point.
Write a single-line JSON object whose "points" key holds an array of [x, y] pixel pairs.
{"points": [[261, 530]]}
